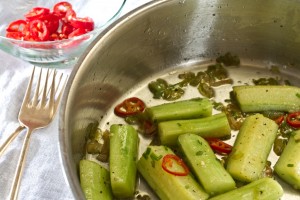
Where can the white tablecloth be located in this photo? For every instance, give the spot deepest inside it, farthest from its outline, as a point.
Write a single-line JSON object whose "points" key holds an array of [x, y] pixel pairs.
{"points": [[43, 176]]}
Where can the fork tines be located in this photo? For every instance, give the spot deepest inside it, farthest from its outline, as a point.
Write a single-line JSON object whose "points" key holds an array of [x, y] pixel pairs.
{"points": [[47, 88]]}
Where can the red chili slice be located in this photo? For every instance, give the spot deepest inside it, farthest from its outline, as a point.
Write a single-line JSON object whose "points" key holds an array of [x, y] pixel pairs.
{"points": [[52, 22], [148, 127], [293, 119], [70, 14], [168, 162], [15, 35], [61, 8], [39, 30], [219, 146], [60, 24], [16, 26], [83, 23], [130, 106], [36, 13], [77, 32], [27, 34], [67, 28], [279, 119]]}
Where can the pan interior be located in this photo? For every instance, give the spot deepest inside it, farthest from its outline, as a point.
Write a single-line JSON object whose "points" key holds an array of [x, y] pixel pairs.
{"points": [[167, 37], [241, 75]]}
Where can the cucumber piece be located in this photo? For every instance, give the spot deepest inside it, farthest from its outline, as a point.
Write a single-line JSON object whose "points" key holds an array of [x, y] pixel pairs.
{"points": [[213, 126], [205, 165], [257, 98], [186, 109], [288, 165], [166, 185], [251, 148], [122, 160], [94, 181], [262, 189]]}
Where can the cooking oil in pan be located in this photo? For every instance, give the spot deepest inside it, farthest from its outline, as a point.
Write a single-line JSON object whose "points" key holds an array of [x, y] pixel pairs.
{"points": [[243, 74]]}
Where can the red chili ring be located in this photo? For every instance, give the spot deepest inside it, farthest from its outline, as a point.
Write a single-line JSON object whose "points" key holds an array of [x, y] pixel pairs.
{"points": [[130, 106], [219, 146], [167, 164], [293, 119], [279, 119]]}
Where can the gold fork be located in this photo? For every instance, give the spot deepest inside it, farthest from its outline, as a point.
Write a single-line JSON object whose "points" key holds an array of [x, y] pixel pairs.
{"points": [[10, 139], [37, 111], [12, 136]]}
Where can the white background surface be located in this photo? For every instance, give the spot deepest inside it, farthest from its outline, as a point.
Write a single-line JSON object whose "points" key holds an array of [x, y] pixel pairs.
{"points": [[43, 176]]}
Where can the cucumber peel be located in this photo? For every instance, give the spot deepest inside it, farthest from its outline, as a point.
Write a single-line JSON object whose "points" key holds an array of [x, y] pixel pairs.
{"points": [[185, 109], [258, 98], [167, 186], [288, 165], [262, 189], [252, 148], [94, 181], [122, 160], [215, 126], [205, 165]]}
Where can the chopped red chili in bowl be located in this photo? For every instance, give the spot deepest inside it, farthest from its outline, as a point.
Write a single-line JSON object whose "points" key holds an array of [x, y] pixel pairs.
{"points": [[42, 24]]}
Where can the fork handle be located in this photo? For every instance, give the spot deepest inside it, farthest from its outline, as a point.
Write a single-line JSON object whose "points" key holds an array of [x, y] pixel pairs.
{"points": [[10, 139], [19, 171]]}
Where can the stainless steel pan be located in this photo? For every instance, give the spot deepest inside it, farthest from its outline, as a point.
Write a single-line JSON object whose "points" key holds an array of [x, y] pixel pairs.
{"points": [[163, 38]]}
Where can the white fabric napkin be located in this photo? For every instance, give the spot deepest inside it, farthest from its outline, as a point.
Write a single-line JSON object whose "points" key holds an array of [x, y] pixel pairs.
{"points": [[43, 176]]}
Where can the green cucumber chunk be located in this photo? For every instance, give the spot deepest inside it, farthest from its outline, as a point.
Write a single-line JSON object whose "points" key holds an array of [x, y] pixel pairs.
{"points": [[288, 164], [262, 189], [166, 185], [205, 165], [122, 159], [94, 181], [185, 109], [216, 126], [257, 98], [252, 148]]}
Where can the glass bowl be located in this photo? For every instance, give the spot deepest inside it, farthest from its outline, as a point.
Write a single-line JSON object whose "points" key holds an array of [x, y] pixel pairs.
{"points": [[58, 53]]}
